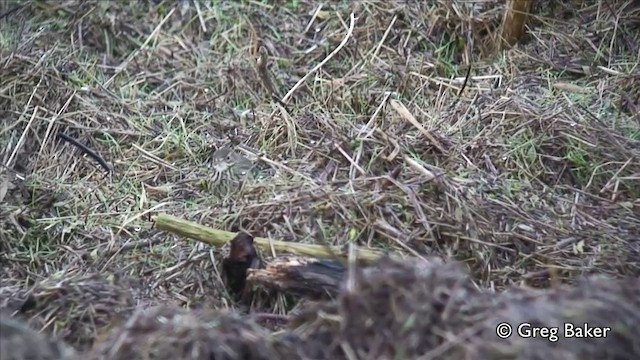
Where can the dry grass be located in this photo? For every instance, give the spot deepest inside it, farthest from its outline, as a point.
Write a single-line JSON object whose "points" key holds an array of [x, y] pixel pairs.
{"points": [[19, 341], [418, 310], [169, 332], [76, 307], [529, 176]]}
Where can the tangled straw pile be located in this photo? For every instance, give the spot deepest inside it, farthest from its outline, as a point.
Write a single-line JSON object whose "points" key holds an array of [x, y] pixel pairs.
{"points": [[394, 310], [420, 310], [71, 305], [166, 332], [19, 342]]}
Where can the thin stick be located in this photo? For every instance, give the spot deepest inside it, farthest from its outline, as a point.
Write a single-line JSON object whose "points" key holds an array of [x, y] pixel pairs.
{"points": [[352, 23], [103, 163]]}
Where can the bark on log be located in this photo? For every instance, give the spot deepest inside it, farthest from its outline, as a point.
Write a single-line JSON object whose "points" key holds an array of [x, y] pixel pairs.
{"points": [[305, 277]]}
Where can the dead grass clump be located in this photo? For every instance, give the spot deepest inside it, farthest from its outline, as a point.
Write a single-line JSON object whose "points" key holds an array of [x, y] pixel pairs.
{"points": [[75, 307], [393, 309], [595, 302], [19, 342], [413, 310], [166, 332], [628, 89]]}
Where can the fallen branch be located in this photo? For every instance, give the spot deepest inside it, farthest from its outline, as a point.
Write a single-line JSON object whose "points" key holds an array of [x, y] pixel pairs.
{"points": [[514, 22], [304, 277], [219, 238]]}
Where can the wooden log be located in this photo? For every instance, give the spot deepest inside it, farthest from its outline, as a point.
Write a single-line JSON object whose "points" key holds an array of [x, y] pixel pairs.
{"points": [[514, 22], [313, 279]]}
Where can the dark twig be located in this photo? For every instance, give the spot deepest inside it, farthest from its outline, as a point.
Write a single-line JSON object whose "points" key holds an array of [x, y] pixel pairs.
{"points": [[466, 80], [86, 150], [265, 77]]}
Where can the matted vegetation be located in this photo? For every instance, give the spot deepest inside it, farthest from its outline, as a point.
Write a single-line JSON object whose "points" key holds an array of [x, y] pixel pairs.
{"points": [[529, 176]]}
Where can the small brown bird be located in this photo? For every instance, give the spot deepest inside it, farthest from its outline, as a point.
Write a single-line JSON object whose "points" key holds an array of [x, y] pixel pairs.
{"points": [[229, 169], [243, 256], [227, 162]]}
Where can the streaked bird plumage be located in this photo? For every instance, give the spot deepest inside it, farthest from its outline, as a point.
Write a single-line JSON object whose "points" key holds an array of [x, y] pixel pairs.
{"points": [[229, 170]]}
